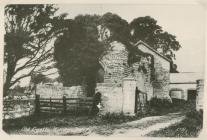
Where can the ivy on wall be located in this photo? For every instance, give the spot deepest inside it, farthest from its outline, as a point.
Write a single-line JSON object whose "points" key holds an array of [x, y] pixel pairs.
{"points": [[135, 55]]}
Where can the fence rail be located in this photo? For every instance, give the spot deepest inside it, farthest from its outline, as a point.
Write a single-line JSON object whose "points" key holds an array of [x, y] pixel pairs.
{"points": [[63, 105]]}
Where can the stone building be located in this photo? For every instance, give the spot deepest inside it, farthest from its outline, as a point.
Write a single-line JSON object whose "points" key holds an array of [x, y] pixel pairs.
{"points": [[118, 81], [183, 85]]}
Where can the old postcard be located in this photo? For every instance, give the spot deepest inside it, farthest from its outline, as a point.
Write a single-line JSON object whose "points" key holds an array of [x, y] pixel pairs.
{"points": [[103, 69]]}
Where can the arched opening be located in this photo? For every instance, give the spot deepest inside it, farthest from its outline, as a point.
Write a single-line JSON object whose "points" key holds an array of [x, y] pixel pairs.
{"points": [[191, 93]]}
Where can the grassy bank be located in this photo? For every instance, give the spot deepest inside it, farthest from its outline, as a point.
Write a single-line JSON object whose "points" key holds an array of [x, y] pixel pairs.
{"points": [[191, 126], [51, 123]]}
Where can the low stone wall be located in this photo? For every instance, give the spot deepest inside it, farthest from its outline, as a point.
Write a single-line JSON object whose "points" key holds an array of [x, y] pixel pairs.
{"points": [[16, 108], [47, 91]]}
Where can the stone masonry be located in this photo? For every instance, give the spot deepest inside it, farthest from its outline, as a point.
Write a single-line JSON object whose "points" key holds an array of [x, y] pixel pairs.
{"points": [[162, 71], [117, 71], [47, 91]]}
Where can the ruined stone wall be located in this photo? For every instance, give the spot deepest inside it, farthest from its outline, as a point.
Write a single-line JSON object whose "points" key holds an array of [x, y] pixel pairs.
{"points": [[116, 68], [111, 98], [162, 73], [143, 79], [115, 64], [16, 108], [47, 91], [162, 78]]}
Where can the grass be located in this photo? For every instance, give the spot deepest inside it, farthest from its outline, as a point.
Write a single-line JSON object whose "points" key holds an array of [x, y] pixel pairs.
{"points": [[114, 118], [49, 120], [47, 124], [51, 124], [189, 127]]}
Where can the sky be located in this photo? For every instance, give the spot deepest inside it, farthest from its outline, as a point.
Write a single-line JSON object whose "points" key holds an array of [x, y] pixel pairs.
{"points": [[185, 21]]}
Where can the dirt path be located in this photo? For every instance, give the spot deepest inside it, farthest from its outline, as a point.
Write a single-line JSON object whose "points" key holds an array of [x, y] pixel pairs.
{"points": [[140, 127]]}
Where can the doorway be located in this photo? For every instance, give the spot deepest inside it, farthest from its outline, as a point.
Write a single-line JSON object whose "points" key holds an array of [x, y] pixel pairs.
{"points": [[191, 95]]}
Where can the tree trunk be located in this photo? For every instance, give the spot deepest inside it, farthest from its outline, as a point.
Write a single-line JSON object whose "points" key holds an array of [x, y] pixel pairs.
{"points": [[91, 84], [9, 74], [5, 89]]}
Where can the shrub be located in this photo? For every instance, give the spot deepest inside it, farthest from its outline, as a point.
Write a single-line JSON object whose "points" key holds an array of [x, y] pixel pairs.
{"points": [[160, 103], [182, 105], [194, 120], [191, 125], [178, 102], [159, 106]]}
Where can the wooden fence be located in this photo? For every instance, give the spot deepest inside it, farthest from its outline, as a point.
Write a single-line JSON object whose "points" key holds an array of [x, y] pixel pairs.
{"points": [[63, 105]]}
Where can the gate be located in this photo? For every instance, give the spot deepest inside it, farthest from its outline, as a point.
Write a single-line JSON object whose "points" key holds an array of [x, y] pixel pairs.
{"points": [[140, 101], [64, 105]]}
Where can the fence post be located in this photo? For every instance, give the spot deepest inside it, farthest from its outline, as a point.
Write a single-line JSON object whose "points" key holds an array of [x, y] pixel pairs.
{"points": [[64, 105], [37, 104]]}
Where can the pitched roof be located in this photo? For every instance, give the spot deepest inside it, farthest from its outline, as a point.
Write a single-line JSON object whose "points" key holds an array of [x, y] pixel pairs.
{"points": [[153, 50]]}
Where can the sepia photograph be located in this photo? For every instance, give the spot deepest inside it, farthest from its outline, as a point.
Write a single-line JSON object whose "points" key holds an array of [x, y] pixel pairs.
{"points": [[125, 70]]}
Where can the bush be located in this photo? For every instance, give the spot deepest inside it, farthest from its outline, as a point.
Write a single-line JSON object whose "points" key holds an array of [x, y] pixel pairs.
{"points": [[160, 103], [194, 120], [158, 106], [178, 102], [182, 105], [193, 123]]}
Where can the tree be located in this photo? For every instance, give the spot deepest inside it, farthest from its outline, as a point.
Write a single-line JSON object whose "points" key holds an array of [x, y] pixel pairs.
{"points": [[77, 52], [29, 28], [119, 28], [147, 30], [38, 78], [79, 48]]}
